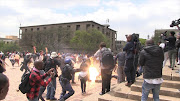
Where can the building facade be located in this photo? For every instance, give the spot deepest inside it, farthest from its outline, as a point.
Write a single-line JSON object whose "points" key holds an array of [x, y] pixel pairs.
{"points": [[6, 40], [74, 26], [15, 38], [158, 34]]}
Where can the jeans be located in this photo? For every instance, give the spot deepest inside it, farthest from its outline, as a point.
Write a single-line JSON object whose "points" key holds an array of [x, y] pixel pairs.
{"points": [[41, 91], [66, 87], [146, 87], [35, 99], [51, 88], [165, 58], [172, 57], [83, 85]]}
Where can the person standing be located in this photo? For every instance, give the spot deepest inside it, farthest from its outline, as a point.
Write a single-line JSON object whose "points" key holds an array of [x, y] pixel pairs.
{"points": [[120, 70], [172, 49], [164, 46], [129, 65], [106, 72], [178, 48], [151, 59], [52, 63], [83, 76]]}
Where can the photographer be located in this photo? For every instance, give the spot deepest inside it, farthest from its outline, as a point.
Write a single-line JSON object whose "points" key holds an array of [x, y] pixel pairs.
{"points": [[172, 49], [129, 67], [52, 63]]}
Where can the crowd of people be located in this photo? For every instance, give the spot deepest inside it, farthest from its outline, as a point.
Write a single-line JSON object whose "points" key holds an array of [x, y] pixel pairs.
{"points": [[150, 59]]}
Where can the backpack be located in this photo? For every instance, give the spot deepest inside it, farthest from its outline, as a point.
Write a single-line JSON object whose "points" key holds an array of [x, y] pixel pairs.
{"points": [[25, 86], [107, 59]]}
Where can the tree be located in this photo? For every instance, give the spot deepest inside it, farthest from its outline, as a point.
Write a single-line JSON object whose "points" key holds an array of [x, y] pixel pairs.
{"points": [[52, 38], [88, 40], [142, 41], [10, 47]]}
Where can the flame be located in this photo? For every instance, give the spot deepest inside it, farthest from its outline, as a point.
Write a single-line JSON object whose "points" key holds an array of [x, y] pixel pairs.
{"points": [[93, 71]]}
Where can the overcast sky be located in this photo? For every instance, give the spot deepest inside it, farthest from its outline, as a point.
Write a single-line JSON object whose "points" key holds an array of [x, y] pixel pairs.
{"points": [[125, 16]]}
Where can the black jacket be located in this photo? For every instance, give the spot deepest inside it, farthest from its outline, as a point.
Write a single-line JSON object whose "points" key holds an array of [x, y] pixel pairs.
{"points": [[67, 72], [52, 63], [172, 42], [129, 49], [151, 59]]}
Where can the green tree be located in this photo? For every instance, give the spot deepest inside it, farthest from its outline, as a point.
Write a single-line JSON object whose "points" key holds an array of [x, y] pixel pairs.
{"points": [[143, 41], [88, 40], [10, 47]]}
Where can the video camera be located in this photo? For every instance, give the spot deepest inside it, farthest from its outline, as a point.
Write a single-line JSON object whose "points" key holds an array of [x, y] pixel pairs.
{"points": [[175, 23], [164, 34], [135, 37]]}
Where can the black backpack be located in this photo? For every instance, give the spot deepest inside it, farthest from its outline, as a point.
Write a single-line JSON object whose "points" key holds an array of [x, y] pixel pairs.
{"points": [[25, 86], [107, 59]]}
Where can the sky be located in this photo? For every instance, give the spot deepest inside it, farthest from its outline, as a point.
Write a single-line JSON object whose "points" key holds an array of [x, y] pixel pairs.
{"points": [[125, 16]]}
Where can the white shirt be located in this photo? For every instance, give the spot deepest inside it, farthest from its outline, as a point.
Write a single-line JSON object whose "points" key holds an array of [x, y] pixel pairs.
{"points": [[82, 74], [154, 81], [162, 45]]}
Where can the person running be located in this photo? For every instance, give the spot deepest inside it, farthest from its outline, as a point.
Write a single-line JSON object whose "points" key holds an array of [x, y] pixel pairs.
{"points": [[11, 58], [16, 58]]}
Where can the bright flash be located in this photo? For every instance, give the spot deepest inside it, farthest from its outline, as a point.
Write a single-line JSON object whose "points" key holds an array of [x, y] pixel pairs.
{"points": [[93, 73]]}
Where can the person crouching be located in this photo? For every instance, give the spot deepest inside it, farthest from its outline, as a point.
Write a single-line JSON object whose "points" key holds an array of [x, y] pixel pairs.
{"points": [[64, 80]]}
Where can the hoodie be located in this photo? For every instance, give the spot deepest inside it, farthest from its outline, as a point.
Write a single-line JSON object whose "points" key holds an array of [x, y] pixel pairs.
{"points": [[151, 59]]}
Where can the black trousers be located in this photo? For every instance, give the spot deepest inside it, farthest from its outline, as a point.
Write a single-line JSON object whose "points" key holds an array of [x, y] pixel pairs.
{"points": [[130, 70], [83, 85], [106, 80]]}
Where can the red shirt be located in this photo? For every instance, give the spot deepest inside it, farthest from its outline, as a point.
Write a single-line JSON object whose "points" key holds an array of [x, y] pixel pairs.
{"points": [[36, 80]]}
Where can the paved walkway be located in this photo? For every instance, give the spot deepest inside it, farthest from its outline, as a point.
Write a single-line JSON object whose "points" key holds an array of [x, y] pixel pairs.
{"points": [[14, 74]]}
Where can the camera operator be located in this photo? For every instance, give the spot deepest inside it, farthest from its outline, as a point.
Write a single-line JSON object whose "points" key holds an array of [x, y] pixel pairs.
{"points": [[172, 49], [129, 67]]}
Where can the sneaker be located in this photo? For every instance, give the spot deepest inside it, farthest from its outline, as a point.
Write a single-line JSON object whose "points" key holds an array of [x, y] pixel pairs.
{"points": [[128, 84], [53, 99], [101, 93]]}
